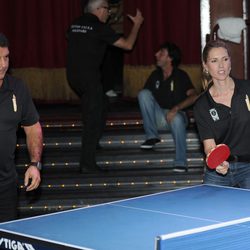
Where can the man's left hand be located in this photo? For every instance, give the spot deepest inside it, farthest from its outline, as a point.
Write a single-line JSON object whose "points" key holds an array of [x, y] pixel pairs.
{"points": [[33, 174], [171, 114]]}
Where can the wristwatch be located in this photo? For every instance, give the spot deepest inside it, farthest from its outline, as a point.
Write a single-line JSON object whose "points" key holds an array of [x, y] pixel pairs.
{"points": [[37, 164]]}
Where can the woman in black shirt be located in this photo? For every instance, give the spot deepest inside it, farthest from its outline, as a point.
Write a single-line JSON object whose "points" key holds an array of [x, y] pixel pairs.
{"points": [[222, 114]]}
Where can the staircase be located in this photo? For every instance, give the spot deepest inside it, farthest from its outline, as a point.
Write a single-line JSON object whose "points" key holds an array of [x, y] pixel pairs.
{"points": [[131, 171]]}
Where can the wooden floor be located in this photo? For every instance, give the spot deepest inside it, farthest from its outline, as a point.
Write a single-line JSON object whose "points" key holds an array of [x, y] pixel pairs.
{"points": [[132, 171]]}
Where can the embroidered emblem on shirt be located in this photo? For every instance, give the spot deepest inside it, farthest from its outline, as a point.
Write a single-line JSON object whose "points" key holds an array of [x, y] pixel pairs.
{"points": [[247, 102], [214, 114], [14, 103], [157, 84], [172, 86]]}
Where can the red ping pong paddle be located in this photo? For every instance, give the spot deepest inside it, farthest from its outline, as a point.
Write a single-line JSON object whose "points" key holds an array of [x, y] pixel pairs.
{"points": [[217, 156]]}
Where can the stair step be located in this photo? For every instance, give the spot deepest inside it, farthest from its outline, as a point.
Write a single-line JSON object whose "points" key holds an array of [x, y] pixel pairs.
{"points": [[129, 170], [123, 140], [114, 160]]}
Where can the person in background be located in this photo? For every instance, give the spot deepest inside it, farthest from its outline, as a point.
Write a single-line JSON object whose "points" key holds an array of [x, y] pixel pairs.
{"points": [[112, 71], [222, 115], [88, 38], [167, 93], [16, 108], [113, 62]]}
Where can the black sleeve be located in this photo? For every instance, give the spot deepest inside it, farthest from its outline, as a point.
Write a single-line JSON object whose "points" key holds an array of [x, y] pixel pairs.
{"points": [[150, 83], [29, 113], [189, 84], [201, 119], [108, 35]]}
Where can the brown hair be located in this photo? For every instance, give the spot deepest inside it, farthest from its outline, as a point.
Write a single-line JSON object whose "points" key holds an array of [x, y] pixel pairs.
{"points": [[206, 78]]}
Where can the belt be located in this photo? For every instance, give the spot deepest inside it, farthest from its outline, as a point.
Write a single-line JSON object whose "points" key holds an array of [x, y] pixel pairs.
{"points": [[238, 158]]}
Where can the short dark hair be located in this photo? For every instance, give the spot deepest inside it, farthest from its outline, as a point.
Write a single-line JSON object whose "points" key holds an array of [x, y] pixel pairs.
{"points": [[3, 41], [173, 51]]}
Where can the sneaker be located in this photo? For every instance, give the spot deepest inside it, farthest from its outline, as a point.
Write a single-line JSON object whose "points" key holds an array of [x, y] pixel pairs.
{"points": [[148, 144], [111, 93], [180, 169]]}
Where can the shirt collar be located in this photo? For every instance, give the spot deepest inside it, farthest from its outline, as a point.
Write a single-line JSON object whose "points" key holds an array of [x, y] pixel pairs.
{"points": [[91, 17]]}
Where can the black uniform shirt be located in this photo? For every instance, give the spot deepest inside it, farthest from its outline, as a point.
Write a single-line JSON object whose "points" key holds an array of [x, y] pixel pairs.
{"points": [[16, 108], [88, 38], [224, 124], [171, 91]]}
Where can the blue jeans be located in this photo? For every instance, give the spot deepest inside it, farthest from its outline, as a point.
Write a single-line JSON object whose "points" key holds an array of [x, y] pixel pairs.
{"points": [[154, 119], [237, 175]]}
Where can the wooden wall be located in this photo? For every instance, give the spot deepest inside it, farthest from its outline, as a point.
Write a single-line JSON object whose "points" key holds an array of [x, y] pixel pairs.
{"points": [[230, 8]]}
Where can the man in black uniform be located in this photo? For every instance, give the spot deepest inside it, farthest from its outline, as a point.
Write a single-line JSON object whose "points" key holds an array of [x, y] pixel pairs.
{"points": [[16, 107], [88, 37], [166, 94]]}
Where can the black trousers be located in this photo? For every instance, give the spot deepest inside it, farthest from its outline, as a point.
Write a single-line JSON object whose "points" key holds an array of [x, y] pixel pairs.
{"points": [[112, 68], [93, 105], [8, 202]]}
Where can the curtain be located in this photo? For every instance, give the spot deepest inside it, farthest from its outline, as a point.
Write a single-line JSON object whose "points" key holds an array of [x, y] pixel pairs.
{"points": [[36, 30], [176, 21]]}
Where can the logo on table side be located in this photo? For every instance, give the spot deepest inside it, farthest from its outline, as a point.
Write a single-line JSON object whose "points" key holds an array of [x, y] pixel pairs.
{"points": [[214, 114], [15, 245]]}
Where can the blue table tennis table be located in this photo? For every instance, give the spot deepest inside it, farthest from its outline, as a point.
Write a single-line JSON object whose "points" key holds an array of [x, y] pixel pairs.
{"points": [[199, 217]]}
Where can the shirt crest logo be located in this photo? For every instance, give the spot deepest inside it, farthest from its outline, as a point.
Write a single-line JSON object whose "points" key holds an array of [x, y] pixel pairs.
{"points": [[214, 114], [157, 84]]}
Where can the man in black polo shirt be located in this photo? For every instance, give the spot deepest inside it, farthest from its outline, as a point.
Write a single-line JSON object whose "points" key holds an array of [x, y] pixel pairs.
{"points": [[88, 37], [166, 94], [16, 108]]}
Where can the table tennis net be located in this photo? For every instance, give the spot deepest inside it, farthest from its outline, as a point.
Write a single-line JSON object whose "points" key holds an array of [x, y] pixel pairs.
{"points": [[223, 236]]}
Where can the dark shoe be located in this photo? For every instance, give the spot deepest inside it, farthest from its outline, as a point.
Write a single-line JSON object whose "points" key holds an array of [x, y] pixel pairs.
{"points": [[180, 169], [86, 171], [99, 147], [94, 170], [150, 143]]}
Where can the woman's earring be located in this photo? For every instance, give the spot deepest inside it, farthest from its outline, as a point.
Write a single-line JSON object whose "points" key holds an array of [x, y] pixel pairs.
{"points": [[205, 71]]}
